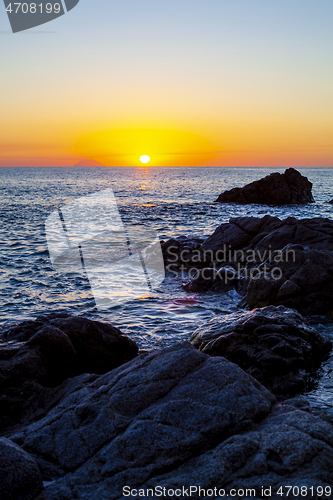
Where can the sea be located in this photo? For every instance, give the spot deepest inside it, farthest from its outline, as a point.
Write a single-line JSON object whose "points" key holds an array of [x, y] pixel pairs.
{"points": [[172, 201]]}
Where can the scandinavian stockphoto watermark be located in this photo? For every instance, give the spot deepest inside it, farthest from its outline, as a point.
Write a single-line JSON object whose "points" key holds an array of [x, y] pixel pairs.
{"points": [[25, 15], [122, 262], [227, 264]]}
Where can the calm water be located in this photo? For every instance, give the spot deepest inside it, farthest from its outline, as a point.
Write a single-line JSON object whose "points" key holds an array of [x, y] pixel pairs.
{"points": [[173, 201]]}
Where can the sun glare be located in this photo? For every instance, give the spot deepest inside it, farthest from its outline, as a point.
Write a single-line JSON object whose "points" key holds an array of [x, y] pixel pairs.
{"points": [[144, 158], [126, 148]]}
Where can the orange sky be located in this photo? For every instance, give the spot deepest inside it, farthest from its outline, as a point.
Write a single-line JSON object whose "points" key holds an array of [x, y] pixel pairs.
{"points": [[203, 83]]}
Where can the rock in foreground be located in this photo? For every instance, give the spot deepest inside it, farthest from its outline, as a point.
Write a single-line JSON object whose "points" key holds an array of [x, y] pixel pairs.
{"points": [[274, 189], [293, 445], [141, 420], [37, 356], [177, 418], [20, 477], [274, 344]]}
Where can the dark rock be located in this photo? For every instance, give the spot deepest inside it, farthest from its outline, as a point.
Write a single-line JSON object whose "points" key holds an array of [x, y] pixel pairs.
{"points": [[177, 418], [313, 233], [20, 477], [331, 201], [305, 281], [42, 354], [274, 344], [293, 445], [145, 417], [220, 280], [259, 250], [244, 242], [181, 252], [266, 234], [99, 346], [274, 189]]}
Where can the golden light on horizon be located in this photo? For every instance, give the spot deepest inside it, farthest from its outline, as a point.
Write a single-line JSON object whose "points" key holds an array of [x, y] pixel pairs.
{"points": [[145, 159], [124, 147]]}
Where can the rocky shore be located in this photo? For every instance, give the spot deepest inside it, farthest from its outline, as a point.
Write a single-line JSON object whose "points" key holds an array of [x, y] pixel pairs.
{"points": [[267, 260], [86, 415], [212, 413]]}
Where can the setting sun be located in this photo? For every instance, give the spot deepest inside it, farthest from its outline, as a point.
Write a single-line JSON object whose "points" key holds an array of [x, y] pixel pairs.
{"points": [[125, 147], [144, 158]]}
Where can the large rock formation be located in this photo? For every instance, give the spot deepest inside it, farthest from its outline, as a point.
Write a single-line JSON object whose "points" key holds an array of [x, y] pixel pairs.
{"points": [[274, 344], [268, 234], [142, 419], [296, 277], [256, 234], [36, 357], [177, 418], [287, 262], [274, 189]]}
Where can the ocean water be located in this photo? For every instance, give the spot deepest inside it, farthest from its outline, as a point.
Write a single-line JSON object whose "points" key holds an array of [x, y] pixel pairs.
{"points": [[173, 202]]}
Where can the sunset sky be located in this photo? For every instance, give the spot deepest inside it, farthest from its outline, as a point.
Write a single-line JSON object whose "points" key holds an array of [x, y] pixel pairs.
{"points": [[187, 82]]}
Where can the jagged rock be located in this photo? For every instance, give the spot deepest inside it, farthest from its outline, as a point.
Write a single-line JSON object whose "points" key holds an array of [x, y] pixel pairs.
{"points": [[36, 356], [264, 235], [274, 344], [293, 445], [177, 418], [274, 189], [243, 239], [140, 420], [304, 281], [253, 247], [20, 477]]}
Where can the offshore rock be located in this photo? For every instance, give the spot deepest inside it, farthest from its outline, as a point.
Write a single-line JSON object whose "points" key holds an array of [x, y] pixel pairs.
{"points": [[36, 357], [273, 344], [274, 189]]}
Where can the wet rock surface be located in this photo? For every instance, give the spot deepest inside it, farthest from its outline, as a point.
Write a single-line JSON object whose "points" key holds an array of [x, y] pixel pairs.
{"points": [[274, 189], [210, 278], [37, 357], [275, 345]]}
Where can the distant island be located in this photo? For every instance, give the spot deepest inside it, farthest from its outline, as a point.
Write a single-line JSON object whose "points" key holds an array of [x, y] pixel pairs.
{"points": [[87, 162]]}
